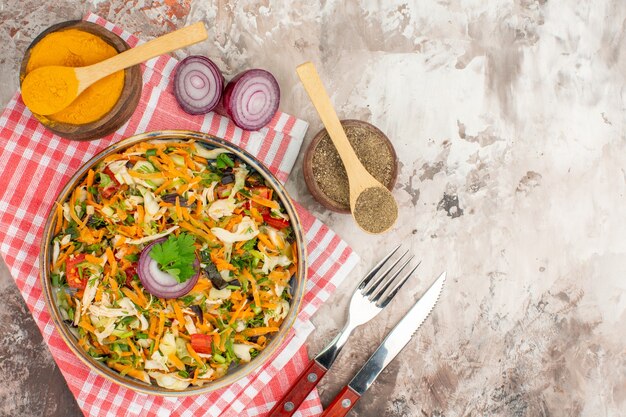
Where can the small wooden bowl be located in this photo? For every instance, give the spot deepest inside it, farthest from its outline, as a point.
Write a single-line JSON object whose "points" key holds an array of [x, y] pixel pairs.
{"points": [[126, 104], [309, 177]]}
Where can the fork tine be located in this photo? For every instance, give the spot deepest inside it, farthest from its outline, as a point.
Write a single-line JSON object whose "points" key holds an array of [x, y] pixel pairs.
{"points": [[376, 268], [379, 290], [371, 286], [394, 290]]}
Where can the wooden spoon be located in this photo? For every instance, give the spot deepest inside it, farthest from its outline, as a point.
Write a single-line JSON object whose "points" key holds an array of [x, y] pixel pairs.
{"points": [[372, 205], [48, 90]]}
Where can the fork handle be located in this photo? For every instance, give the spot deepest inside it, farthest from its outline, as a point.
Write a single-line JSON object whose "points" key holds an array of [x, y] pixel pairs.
{"points": [[306, 382]]}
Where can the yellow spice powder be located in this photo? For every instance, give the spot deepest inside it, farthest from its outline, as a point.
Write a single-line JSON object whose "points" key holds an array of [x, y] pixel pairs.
{"points": [[76, 48]]}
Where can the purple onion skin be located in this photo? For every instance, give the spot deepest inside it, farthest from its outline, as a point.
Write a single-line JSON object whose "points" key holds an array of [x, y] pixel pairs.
{"points": [[177, 84], [182, 289], [227, 106]]}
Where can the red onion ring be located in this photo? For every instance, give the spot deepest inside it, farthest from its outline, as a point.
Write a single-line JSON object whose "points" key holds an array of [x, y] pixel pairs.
{"points": [[159, 283], [251, 99], [198, 84]]}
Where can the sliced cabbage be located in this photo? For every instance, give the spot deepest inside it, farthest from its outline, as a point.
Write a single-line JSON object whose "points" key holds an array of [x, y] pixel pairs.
{"points": [[225, 273], [208, 195], [77, 313], [150, 203], [221, 208], [170, 381], [89, 293], [245, 231], [271, 262], [190, 326], [168, 344], [209, 154], [279, 313], [215, 294], [181, 348], [157, 361], [207, 374], [242, 351], [56, 250], [153, 237], [240, 180], [109, 325], [66, 239], [127, 308], [120, 172]]}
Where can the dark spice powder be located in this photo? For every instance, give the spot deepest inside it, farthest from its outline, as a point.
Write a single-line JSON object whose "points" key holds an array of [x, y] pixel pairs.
{"points": [[375, 210], [330, 174]]}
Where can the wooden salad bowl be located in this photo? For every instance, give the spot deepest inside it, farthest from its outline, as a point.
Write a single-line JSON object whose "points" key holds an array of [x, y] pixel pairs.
{"points": [[298, 281]]}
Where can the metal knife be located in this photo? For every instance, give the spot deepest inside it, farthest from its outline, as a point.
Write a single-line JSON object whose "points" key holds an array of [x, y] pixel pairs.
{"points": [[395, 341]]}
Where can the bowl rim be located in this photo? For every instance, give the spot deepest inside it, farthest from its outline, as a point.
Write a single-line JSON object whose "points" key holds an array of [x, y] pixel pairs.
{"points": [[121, 111], [285, 333]]}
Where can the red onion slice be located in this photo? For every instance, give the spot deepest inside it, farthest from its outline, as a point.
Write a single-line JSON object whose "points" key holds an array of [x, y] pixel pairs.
{"points": [[198, 84], [159, 283], [251, 99]]}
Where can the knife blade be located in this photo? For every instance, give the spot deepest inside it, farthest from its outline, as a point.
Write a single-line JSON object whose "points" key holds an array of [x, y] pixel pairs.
{"points": [[395, 341]]}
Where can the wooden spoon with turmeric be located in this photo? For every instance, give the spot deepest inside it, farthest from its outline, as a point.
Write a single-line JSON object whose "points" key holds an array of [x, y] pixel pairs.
{"points": [[48, 90]]}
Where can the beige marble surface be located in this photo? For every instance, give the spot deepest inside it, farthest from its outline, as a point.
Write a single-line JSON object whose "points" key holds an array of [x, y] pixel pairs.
{"points": [[509, 119]]}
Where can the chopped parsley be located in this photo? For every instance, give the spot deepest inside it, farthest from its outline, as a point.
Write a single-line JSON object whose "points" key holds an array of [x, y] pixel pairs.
{"points": [[176, 256]]}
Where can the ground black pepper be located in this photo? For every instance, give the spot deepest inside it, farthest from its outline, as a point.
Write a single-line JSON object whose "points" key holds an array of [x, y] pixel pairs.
{"points": [[375, 210], [330, 174]]}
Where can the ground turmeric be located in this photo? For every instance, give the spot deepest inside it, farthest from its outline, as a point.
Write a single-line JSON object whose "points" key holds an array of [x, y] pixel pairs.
{"points": [[76, 48]]}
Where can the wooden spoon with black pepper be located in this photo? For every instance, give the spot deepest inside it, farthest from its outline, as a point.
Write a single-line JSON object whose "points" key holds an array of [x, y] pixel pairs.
{"points": [[373, 207]]}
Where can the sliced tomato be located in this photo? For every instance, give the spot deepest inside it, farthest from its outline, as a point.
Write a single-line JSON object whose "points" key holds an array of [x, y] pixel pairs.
{"points": [[111, 188], [264, 192], [275, 223], [131, 273], [201, 343], [261, 191], [71, 272]]}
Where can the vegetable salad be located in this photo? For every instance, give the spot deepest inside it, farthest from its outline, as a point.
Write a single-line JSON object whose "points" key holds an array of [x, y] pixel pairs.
{"points": [[171, 262]]}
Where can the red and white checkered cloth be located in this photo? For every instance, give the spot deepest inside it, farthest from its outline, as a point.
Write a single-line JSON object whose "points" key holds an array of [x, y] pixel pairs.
{"points": [[35, 165]]}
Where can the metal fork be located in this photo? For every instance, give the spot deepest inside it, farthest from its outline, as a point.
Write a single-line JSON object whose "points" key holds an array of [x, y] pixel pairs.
{"points": [[374, 292]]}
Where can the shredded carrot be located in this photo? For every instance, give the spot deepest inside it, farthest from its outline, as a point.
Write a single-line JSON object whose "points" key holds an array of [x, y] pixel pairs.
{"points": [[195, 231], [163, 187], [178, 313], [112, 261], [120, 242], [266, 240], [152, 328], [258, 331], [177, 362], [132, 346], [133, 297], [90, 176], [59, 221], [140, 214], [265, 202], [194, 355], [160, 331], [93, 259], [216, 339], [142, 298], [195, 376], [253, 284], [237, 312], [227, 333]]}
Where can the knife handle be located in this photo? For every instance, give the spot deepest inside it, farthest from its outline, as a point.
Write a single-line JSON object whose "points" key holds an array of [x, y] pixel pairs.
{"points": [[342, 404], [306, 382]]}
